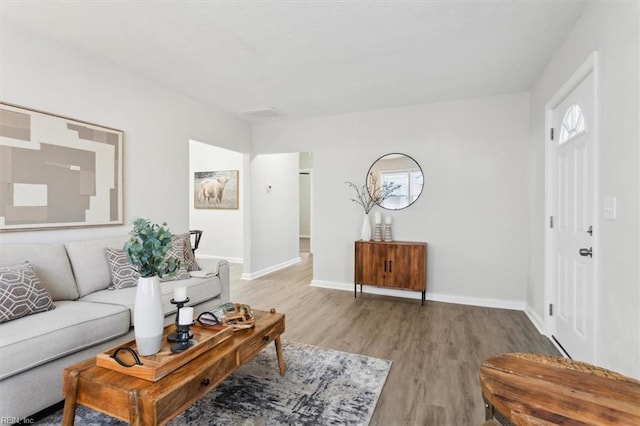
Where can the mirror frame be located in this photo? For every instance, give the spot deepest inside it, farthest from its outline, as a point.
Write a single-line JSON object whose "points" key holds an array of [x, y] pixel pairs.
{"points": [[369, 173]]}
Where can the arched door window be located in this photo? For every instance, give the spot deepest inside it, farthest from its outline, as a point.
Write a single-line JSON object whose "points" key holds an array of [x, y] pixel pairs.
{"points": [[572, 123]]}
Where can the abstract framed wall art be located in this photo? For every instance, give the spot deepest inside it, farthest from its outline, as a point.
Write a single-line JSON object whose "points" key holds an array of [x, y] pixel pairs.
{"points": [[57, 172], [216, 190]]}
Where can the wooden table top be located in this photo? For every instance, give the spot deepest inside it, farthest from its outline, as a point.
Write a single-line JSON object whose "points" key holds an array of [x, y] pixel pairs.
{"points": [[534, 389]]}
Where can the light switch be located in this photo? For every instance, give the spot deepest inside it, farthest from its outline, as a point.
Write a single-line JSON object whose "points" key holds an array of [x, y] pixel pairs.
{"points": [[609, 208]]}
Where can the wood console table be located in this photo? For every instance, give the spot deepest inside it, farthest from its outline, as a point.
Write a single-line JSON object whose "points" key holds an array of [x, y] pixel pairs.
{"points": [[143, 402], [532, 389], [396, 264]]}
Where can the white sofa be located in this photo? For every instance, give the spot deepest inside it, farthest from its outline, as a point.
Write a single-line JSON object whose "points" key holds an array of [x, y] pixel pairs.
{"points": [[87, 319]]}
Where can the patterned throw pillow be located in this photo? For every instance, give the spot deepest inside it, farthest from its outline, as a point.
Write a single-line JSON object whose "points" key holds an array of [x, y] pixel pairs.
{"points": [[177, 251], [189, 257], [21, 292], [123, 274]]}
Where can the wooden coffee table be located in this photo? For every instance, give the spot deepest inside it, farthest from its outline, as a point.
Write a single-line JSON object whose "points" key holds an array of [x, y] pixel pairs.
{"points": [[142, 402], [533, 389]]}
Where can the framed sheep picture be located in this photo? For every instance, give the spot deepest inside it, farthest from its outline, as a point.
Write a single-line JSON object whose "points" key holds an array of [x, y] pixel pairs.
{"points": [[216, 190], [58, 172]]}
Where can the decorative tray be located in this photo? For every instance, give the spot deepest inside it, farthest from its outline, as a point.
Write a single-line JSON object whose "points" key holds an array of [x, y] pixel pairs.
{"points": [[154, 367]]}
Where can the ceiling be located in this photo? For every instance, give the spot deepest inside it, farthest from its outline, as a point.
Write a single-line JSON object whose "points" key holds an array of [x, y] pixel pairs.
{"points": [[311, 58]]}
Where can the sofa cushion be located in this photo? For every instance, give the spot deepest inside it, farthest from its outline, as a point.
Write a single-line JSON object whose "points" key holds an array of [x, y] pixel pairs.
{"points": [[177, 252], [198, 290], [21, 293], [189, 257], [72, 326], [123, 274], [89, 264], [49, 262]]}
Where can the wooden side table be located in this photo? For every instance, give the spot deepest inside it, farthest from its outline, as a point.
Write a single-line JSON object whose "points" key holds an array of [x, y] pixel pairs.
{"points": [[533, 389]]}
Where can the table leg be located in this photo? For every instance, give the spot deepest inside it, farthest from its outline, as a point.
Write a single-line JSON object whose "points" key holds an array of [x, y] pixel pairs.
{"points": [[69, 413], [134, 408], [281, 365], [488, 410]]}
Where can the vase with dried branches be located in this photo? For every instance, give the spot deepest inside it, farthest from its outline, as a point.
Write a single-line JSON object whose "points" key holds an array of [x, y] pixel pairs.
{"points": [[367, 196]]}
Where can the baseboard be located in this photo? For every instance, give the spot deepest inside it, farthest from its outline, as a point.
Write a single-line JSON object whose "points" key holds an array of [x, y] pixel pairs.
{"points": [[534, 318], [436, 297], [270, 269], [228, 259]]}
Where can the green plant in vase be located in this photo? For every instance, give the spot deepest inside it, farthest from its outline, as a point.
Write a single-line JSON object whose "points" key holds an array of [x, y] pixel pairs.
{"points": [[147, 249]]}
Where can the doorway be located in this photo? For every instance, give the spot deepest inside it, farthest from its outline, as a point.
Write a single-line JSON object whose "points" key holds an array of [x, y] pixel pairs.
{"points": [[571, 249], [306, 163]]}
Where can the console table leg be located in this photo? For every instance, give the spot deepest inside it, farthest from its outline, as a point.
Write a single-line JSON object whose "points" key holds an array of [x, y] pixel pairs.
{"points": [[69, 413], [281, 365]]}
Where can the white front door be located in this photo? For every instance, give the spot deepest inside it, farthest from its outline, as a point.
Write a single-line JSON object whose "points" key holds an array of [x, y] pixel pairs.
{"points": [[573, 200]]}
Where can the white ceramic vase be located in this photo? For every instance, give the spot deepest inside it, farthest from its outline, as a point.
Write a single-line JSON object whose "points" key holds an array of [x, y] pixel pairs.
{"points": [[366, 228], [148, 322]]}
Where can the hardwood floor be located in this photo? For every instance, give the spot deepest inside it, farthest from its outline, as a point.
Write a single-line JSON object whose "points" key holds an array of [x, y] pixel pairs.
{"points": [[436, 349]]}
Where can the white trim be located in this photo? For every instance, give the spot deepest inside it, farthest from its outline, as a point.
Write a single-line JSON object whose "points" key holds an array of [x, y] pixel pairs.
{"points": [[257, 274], [436, 297], [590, 66], [228, 259], [534, 318]]}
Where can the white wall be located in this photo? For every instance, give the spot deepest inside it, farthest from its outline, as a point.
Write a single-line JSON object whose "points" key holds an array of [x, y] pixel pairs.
{"points": [[612, 29], [222, 228], [157, 123], [274, 213], [473, 209]]}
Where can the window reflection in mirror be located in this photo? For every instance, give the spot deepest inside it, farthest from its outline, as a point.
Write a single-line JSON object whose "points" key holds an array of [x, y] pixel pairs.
{"points": [[398, 169]]}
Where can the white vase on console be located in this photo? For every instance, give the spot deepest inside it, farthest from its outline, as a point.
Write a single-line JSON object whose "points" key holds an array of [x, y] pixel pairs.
{"points": [[366, 228]]}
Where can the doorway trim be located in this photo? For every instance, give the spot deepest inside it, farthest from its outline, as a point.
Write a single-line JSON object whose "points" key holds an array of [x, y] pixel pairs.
{"points": [[590, 66]]}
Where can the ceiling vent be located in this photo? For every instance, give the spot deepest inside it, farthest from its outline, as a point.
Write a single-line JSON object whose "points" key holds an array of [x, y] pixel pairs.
{"points": [[265, 112]]}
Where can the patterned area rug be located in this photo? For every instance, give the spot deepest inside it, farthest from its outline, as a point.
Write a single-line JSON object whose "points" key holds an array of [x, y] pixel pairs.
{"points": [[320, 387]]}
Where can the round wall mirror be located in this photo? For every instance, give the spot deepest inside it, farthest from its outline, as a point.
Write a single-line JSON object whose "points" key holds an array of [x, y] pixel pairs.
{"points": [[400, 173]]}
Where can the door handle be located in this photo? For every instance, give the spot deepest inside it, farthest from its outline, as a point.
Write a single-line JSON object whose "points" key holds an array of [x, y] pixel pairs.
{"points": [[586, 252]]}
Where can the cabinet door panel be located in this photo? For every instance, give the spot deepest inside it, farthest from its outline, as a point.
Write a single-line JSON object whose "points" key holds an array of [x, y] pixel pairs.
{"points": [[416, 268], [365, 264], [381, 256], [395, 267]]}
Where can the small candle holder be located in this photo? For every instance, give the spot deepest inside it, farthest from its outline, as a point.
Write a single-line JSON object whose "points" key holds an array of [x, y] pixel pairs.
{"points": [[172, 337], [377, 233], [387, 233], [183, 339]]}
